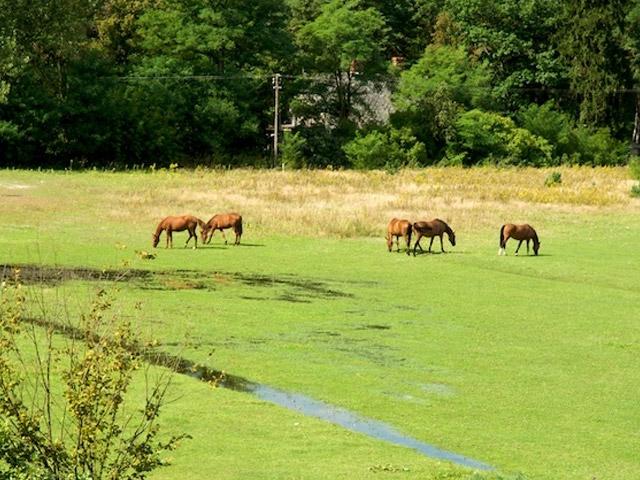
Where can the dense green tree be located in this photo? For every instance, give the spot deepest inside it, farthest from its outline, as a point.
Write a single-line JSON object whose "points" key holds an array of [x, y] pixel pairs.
{"points": [[343, 47], [632, 45], [512, 36], [433, 92], [591, 42]]}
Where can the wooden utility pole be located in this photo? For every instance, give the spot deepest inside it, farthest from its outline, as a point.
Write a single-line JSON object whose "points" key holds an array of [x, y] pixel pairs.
{"points": [[276, 116]]}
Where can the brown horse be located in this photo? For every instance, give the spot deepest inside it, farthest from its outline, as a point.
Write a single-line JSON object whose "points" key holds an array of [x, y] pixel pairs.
{"points": [[518, 232], [221, 222], [399, 228], [177, 224], [433, 228]]}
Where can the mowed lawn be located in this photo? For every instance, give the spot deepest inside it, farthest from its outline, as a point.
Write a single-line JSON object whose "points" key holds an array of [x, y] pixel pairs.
{"points": [[530, 364]]}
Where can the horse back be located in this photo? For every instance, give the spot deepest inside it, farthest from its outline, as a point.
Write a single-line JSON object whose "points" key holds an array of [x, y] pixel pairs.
{"points": [[225, 220], [398, 227], [519, 232]]}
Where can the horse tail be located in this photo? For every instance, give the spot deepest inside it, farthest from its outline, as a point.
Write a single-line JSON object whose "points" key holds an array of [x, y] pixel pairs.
{"points": [[501, 244]]}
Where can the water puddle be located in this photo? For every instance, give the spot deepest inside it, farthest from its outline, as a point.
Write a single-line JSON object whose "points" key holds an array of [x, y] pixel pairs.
{"points": [[292, 401]]}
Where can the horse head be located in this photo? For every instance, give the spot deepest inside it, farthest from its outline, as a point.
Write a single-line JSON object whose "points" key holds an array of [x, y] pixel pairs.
{"points": [[156, 239], [536, 246], [452, 237], [204, 231]]}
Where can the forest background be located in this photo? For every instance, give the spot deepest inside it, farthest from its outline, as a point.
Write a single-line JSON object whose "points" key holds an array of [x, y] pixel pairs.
{"points": [[362, 83]]}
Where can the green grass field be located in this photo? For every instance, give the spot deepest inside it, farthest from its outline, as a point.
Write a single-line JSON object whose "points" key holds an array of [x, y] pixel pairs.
{"points": [[529, 364]]}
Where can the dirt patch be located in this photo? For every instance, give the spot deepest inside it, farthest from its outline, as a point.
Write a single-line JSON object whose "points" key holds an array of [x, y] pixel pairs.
{"points": [[290, 288]]}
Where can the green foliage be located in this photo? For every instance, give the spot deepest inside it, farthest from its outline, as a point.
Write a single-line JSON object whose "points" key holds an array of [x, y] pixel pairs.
{"points": [[554, 178], [634, 167], [635, 190], [572, 143], [432, 93], [489, 137], [85, 432], [117, 82], [512, 36], [591, 43], [343, 42], [292, 150], [390, 149]]}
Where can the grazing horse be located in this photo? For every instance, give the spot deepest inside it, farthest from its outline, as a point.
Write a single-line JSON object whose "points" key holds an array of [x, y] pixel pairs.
{"points": [[177, 224], [521, 233], [433, 228], [399, 228], [221, 222]]}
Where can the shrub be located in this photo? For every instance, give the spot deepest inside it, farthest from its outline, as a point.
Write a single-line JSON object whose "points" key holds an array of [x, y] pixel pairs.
{"points": [[292, 150], [378, 149], [634, 167], [635, 190], [490, 137], [571, 143], [596, 147], [554, 178], [44, 381]]}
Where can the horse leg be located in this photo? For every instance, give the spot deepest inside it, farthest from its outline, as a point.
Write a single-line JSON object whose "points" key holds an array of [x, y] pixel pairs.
{"points": [[187, 242], [518, 248], [397, 243], [430, 244], [223, 236], [527, 246], [503, 249], [441, 245], [169, 239], [417, 244]]}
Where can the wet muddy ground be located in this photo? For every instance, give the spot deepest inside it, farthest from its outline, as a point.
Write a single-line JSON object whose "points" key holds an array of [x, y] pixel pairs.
{"points": [[291, 288], [292, 401]]}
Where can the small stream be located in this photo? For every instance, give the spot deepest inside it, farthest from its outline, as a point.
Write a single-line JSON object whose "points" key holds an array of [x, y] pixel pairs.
{"points": [[292, 401], [311, 408]]}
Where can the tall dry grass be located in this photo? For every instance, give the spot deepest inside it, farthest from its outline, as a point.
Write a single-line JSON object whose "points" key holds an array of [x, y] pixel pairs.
{"points": [[321, 203]]}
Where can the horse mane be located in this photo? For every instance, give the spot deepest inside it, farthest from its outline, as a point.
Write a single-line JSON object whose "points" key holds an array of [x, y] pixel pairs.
{"points": [[447, 228]]}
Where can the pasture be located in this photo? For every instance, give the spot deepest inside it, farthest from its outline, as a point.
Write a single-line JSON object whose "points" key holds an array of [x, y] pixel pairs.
{"points": [[529, 364]]}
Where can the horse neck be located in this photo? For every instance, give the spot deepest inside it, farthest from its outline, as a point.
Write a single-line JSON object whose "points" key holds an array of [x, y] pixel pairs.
{"points": [[536, 242], [159, 229]]}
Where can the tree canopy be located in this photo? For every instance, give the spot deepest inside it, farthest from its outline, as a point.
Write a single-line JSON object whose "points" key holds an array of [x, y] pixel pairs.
{"points": [[115, 82]]}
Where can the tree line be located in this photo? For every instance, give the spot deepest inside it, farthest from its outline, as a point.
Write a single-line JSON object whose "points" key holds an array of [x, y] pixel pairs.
{"points": [[111, 83]]}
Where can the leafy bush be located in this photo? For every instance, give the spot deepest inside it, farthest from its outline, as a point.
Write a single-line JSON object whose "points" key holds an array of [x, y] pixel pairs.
{"points": [[86, 384], [635, 190], [634, 167], [391, 150], [292, 150], [433, 92], [596, 148], [554, 178], [571, 143], [490, 137]]}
